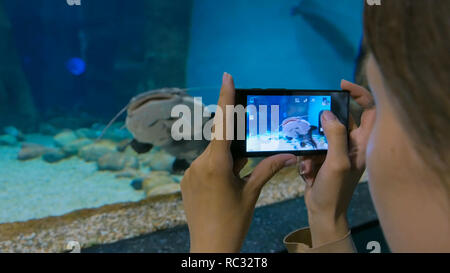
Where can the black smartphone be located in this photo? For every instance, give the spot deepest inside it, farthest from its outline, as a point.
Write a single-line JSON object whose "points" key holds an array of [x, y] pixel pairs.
{"points": [[285, 121]]}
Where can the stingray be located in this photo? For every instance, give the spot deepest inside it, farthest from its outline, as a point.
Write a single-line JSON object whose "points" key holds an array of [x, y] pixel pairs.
{"points": [[149, 121]]}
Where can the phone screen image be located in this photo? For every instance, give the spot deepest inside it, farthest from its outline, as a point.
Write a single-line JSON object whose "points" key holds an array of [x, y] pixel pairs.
{"points": [[287, 121], [291, 123]]}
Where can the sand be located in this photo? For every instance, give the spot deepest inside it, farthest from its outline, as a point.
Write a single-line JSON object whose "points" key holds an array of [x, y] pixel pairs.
{"points": [[35, 189]]}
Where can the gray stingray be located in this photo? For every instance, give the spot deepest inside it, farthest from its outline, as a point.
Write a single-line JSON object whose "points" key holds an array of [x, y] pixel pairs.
{"points": [[149, 121]]}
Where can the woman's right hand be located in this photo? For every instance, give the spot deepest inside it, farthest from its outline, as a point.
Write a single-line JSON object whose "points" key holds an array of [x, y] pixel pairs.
{"points": [[331, 180]]}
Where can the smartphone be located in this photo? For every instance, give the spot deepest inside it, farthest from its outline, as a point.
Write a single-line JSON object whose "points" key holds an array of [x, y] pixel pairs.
{"points": [[285, 121]]}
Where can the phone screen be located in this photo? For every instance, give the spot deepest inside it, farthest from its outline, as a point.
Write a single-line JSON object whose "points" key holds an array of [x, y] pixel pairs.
{"points": [[279, 121], [291, 123]]}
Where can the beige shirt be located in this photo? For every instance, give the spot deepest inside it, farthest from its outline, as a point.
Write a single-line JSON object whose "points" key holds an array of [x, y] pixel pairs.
{"points": [[299, 241]]}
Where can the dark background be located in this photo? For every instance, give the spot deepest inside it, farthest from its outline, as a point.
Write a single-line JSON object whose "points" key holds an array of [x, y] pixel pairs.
{"points": [[127, 49]]}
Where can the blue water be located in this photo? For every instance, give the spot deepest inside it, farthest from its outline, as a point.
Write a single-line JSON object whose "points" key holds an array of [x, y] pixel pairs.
{"points": [[263, 46], [74, 56], [76, 66], [73, 67]]}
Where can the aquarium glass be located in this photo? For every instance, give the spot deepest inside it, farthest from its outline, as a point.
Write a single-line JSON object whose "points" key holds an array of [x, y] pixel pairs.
{"points": [[67, 67]]}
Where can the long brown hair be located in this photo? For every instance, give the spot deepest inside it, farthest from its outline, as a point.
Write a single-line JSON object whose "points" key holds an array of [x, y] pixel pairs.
{"points": [[410, 42]]}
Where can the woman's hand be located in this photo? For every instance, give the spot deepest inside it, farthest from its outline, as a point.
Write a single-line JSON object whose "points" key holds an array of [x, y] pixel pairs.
{"points": [[218, 203], [331, 180]]}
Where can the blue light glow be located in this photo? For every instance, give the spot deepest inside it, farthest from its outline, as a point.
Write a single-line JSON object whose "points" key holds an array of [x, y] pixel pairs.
{"points": [[76, 66]]}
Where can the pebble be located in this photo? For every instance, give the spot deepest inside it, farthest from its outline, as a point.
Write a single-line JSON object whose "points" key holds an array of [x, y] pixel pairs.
{"points": [[64, 138], [54, 155], [115, 161], [146, 158], [74, 147], [128, 173], [156, 178], [94, 151], [164, 189], [137, 184], [177, 178], [31, 150], [87, 133], [8, 140], [122, 145], [13, 131], [162, 161], [130, 151]]}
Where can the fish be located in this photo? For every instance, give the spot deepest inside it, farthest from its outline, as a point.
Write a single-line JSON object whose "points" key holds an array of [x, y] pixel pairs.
{"points": [[299, 129], [150, 122]]}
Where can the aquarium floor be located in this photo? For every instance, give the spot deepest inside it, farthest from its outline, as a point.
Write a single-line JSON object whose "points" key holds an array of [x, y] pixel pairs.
{"points": [[269, 226], [35, 189]]}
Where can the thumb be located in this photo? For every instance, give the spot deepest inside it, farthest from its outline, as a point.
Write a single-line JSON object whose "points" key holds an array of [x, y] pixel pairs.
{"points": [[266, 169], [336, 134]]}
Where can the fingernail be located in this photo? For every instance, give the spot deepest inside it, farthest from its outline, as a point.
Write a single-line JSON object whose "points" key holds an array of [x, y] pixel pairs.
{"points": [[226, 78], [307, 180], [290, 162], [302, 168], [328, 116]]}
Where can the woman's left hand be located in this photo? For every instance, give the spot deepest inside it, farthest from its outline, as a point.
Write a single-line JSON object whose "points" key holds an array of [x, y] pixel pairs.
{"points": [[218, 203]]}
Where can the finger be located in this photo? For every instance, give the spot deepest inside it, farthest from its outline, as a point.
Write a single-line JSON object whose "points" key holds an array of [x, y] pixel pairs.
{"points": [[305, 164], [226, 97], [309, 179], [308, 163], [336, 134], [239, 164], [267, 168], [368, 121], [351, 123], [309, 166], [361, 95]]}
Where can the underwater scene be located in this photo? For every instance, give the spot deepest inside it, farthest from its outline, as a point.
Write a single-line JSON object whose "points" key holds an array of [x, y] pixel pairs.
{"points": [[87, 88], [296, 127]]}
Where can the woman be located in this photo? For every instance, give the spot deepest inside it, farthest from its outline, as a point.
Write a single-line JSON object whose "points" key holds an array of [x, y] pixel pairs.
{"points": [[403, 141]]}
